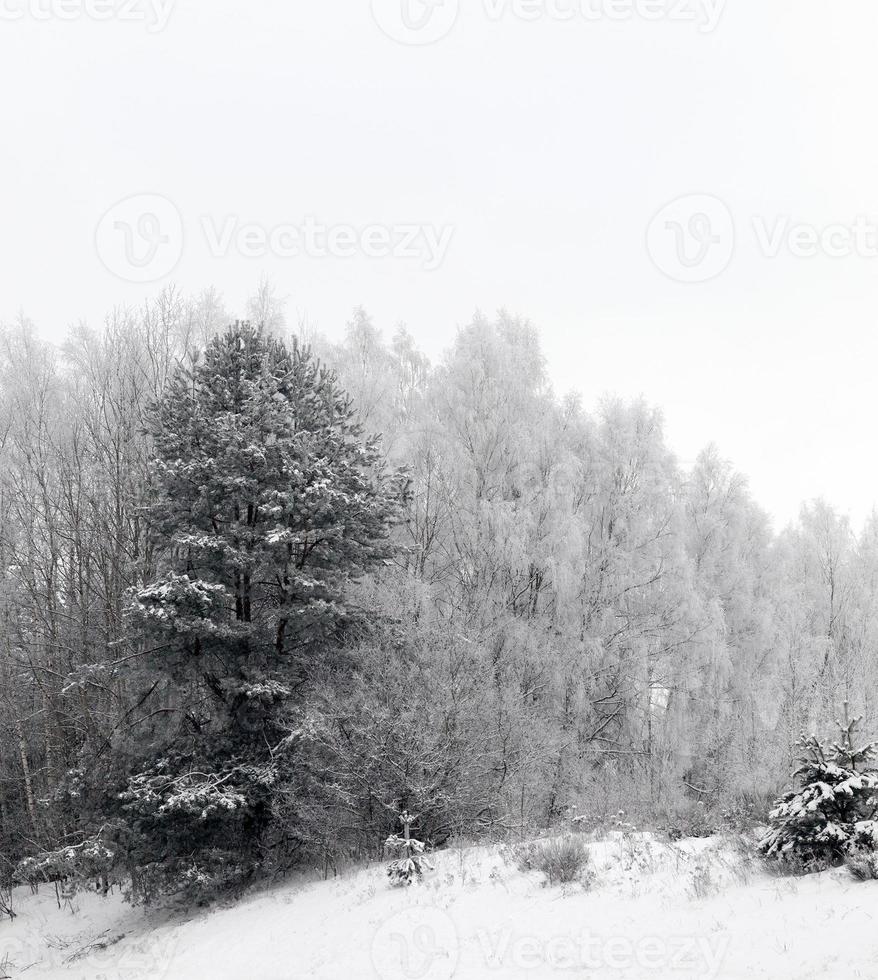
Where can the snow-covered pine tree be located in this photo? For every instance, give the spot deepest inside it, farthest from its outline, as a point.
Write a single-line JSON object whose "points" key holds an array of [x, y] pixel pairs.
{"points": [[411, 863], [833, 812], [267, 501]]}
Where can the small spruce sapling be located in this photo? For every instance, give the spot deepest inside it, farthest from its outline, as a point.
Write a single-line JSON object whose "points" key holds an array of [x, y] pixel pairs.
{"points": [[412, 862], [833, 812]]}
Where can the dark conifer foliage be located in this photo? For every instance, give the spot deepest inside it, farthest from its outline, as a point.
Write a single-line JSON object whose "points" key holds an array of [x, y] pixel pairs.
{"points": [[833, 812], [266, 502]]}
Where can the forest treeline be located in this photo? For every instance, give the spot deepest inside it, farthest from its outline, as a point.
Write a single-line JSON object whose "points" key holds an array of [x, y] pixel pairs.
{"points": [[507, 612]]}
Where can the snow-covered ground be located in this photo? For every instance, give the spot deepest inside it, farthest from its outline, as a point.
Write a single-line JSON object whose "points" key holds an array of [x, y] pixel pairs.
{"points": [[697, 909]]}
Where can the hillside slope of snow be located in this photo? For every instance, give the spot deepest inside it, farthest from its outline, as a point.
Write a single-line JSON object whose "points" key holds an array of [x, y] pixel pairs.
{"points": [[698, 909]]}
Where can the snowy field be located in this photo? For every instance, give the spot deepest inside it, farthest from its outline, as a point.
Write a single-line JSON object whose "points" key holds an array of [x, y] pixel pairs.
{"points": [[697, 909]]}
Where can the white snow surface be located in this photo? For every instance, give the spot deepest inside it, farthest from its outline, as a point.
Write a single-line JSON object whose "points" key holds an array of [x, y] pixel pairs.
{"points": [[654, 911]]}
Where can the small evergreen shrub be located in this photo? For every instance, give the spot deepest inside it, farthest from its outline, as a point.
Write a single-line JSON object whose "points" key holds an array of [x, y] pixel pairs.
{"points": [[832, 813], [412, 863]]}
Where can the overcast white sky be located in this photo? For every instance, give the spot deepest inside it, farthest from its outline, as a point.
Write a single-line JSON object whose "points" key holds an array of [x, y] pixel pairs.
{"points": [[548, 145]]}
